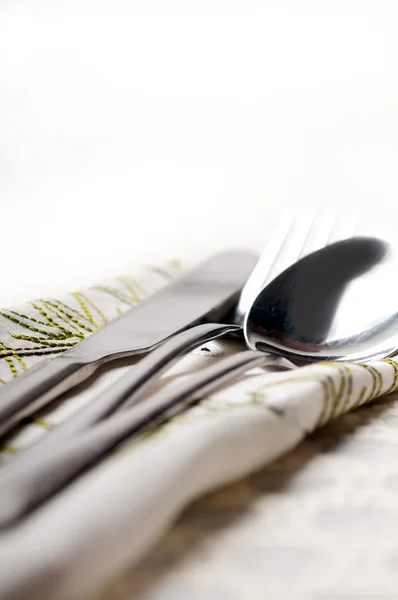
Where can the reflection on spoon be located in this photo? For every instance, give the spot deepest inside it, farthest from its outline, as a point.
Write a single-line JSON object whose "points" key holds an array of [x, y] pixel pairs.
{"points": [[309, 310]]}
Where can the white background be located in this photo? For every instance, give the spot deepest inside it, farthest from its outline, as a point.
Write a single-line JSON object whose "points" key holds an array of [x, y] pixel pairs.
{"points": [[137, 131]]}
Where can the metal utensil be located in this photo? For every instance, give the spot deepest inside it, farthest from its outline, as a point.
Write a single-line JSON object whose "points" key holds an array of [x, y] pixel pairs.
{"points": [[319, 322], [336, 304], [205, 293], [292, 237]]}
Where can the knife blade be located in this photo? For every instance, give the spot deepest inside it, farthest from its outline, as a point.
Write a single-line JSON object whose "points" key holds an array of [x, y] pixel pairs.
{"points": [[205, 293]]}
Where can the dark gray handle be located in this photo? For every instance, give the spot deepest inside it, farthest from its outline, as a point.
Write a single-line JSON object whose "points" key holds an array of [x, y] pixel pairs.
{"points": [[38, 386], [129, 388], [26, 483]]}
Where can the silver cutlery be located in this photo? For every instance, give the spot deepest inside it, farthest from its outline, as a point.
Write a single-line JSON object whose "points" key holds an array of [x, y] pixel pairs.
{"points": [[40, 472], [293, 237], [205, 293]]}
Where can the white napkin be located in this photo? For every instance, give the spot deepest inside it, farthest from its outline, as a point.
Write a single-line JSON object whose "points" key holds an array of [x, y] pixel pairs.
{"points": [[110, 517]]}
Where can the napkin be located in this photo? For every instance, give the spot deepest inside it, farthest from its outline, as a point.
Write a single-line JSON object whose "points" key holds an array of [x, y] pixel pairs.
{"points": [[110, 517]]}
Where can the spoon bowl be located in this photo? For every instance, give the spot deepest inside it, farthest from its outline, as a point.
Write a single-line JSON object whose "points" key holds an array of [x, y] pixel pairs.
{"points": [[336, 304]]}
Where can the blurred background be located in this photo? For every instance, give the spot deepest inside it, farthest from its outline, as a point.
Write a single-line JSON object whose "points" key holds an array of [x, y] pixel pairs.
{"points": [[139, 131]]}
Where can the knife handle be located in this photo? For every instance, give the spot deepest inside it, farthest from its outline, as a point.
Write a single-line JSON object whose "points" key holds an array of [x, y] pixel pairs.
{"points": [[38, 386]]}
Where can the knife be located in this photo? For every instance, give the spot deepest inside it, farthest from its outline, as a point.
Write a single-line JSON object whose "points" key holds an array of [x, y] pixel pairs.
{"points": [[205, 293]]}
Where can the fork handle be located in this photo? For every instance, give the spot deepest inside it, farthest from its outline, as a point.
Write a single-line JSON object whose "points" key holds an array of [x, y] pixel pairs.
{"points": [[131, 385], [32, 478], [41, 384]]}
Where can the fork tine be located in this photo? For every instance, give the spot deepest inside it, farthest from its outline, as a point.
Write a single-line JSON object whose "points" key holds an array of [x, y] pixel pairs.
{"points": [[295, 236], [344, 227], [320, 232], [283, 248], [265, 263], [293, 245], [327, 228]]}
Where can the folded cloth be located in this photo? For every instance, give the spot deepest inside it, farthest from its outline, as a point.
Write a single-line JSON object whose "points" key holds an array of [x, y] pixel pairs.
{"points": [[112, 515]]}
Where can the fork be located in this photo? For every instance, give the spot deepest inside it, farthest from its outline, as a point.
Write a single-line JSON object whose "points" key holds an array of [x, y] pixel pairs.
{"points": [[300, 236]]}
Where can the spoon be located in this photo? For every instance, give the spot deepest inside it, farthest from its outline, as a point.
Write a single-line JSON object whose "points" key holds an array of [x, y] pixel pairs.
{"points": [[337, 303]]}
